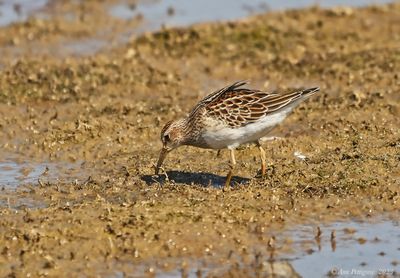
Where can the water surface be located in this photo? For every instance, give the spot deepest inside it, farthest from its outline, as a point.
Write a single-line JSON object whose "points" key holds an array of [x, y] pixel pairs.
{"points": [[183, 12]]}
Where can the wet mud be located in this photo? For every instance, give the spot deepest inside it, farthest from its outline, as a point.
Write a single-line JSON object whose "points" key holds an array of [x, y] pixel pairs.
{"points": [[82, 131]]}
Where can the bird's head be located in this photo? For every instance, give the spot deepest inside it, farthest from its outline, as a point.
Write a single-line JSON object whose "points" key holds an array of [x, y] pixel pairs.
{"points": [[172, 136]]}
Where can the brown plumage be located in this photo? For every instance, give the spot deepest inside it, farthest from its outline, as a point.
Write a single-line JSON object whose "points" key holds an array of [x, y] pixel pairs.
{"points": [[230, 117], [238, 106]]}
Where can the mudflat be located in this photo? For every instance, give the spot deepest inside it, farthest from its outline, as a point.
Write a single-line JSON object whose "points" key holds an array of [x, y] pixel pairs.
{"points": [[95, 120]]}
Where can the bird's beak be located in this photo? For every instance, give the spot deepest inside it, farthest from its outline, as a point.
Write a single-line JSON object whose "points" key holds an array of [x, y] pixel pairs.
{"points": [[163, 155]]}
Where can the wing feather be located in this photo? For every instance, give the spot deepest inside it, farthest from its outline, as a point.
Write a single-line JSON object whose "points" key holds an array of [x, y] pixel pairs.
{"points": [[237, 106]]}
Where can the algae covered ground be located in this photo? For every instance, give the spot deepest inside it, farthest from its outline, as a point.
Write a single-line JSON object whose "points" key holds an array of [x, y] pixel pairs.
{"points": [[97, 117]]}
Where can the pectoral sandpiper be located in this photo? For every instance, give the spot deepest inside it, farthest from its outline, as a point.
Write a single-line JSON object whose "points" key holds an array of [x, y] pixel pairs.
{"points": [[228, 118]]}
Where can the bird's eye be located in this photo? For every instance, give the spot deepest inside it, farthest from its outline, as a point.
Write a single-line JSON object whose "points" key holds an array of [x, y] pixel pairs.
{"points": [[166, 138]]}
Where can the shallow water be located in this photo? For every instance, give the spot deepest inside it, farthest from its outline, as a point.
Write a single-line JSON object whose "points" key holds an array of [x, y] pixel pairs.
{"points": [[13, 173], [118, 222], [157, 14], [183, 13], [18, 10], [359, 249]]}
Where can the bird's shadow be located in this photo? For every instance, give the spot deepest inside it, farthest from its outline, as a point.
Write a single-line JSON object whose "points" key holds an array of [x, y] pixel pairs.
{"points": [[203, 179]]}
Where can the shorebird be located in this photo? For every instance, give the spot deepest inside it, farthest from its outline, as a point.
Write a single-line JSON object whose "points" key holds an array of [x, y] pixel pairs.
{"points": [[228, 118]]}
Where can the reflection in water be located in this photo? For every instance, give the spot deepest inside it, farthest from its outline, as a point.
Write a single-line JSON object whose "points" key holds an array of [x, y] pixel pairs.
{"points": [[337, 253], [333, 241], [342, 251], [14, 173]]}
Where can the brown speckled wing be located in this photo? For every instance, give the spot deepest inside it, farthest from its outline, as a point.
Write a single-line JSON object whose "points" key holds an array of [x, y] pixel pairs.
{"points": [[239, 106], [200, 107]]}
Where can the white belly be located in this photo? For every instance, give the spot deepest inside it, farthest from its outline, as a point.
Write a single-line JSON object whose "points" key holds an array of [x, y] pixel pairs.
{"points": [[220, 137]]}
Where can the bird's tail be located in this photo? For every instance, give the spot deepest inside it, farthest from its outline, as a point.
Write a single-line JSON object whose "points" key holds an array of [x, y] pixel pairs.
{"points": [[295, 98], [309, 92]]}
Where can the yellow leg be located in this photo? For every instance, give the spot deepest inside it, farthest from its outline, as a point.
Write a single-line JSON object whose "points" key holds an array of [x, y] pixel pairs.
{"points": [[232, 166], [263, 160]]}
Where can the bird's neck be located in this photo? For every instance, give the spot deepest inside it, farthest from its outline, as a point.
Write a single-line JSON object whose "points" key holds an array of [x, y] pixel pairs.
{"points": [[191, 130]]}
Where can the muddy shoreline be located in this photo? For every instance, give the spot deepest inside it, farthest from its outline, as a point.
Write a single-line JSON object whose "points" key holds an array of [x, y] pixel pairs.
{"points": [[101, 212]]}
